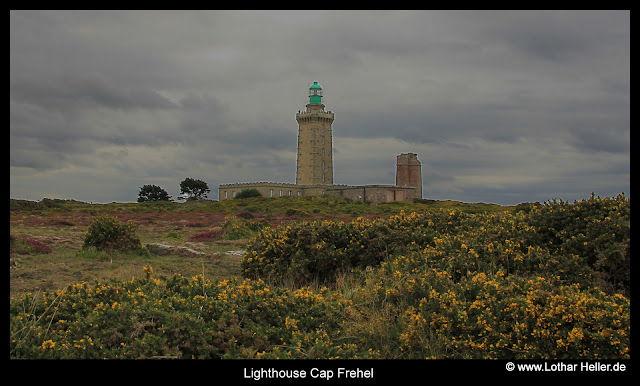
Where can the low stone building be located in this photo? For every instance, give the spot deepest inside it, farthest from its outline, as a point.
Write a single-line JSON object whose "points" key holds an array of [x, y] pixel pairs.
{"points": [[314, 171], [370, 193], [374, 193], [266, 189]]}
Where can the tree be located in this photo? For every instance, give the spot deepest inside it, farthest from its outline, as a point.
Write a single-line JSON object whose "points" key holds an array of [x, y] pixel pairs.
{"points": [[153, 193], [194, 189], [246, 193]]}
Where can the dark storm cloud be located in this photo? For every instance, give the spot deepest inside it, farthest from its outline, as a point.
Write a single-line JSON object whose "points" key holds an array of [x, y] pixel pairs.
{"points": [[558, 35], [87, 92], [499, 105], [437, 124], [101, 93], [205, 117], [601, 139]]}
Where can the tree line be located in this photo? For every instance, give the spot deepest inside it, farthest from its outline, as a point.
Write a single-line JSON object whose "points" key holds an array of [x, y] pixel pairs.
{"points": [[190, 189]]}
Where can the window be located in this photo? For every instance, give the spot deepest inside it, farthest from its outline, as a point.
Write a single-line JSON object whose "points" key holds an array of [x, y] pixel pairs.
{"points": [[233, 194], [281, 192], [225, 194], [271, 193]]}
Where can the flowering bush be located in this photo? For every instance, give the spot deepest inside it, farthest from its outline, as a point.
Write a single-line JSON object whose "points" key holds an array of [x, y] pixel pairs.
{"points": [[550, 282], [177, 317], [309, 251], [586, 243], [596, 229], [482, 316], [27, 246], [499, 316], [109, 233]]}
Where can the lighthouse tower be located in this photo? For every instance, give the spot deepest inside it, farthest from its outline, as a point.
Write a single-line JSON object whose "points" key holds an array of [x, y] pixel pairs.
{"points": [[409, 172], [315, 142]]}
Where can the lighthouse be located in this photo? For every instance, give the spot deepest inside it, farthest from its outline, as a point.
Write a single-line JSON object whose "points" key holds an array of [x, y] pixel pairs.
{"points": [[314, 166], [315, 141]]}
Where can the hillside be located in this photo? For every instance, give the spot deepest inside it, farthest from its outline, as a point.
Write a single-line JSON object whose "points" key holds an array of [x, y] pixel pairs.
{"points": [[323, 278]]}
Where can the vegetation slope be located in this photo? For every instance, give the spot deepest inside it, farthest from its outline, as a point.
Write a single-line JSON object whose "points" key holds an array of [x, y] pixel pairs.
{"points": [[326, 278]]}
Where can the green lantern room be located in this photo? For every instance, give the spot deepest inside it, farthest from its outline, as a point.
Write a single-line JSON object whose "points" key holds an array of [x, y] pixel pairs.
{"points": [[315, 94]]}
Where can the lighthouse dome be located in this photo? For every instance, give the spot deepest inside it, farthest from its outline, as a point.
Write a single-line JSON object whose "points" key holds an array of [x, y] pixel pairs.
{"points": [[315, 93]]}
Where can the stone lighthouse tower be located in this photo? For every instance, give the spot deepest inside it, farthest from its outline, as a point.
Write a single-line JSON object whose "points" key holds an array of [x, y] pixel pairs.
{"points": [[409, 172], [315, 142]]}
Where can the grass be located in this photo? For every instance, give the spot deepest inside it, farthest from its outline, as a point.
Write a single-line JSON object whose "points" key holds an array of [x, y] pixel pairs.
{"points": [[53, 271], [62, 224], [63, 231]]}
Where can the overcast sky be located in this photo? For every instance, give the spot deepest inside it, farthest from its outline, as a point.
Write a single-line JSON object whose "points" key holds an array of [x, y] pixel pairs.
{"points": [[500, 106]]}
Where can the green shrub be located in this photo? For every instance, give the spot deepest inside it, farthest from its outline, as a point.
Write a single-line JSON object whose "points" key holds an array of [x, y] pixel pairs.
{"points": [[174, 235], [247, 215], [107, 233], [290, 212], [309, 251], [586, 242], [246, 193], [597, 230]]}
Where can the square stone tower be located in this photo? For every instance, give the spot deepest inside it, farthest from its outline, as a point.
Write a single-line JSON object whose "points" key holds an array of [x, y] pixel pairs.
{"points": [[409, 172], [315, 142]]}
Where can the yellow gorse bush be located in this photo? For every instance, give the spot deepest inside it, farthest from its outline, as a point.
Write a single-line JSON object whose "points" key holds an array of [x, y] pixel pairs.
{"points": [[549, 281], [177, 317], [585, 242]]}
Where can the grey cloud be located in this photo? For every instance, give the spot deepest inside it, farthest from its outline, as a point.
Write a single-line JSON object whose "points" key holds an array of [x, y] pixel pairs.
{"points": [[102, 93], [554, 35], [202, 102], [439, 124], [29, 153], [86, 92], [186, 92], [601, 139]]}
